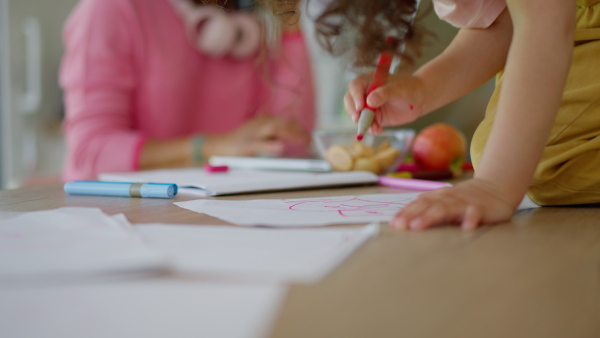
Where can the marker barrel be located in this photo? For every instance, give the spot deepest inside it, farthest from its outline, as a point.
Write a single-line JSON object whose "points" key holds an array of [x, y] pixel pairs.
{"points": [[411, 183], [379, 77], [121, 189], [365, 120]]}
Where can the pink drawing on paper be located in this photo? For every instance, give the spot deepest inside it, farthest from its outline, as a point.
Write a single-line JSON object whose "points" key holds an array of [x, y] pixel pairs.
{"points": [[352, 206]]}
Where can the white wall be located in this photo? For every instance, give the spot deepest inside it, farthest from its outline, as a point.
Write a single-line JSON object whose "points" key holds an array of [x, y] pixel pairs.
{"points": [[5, 149], [33, 54]]}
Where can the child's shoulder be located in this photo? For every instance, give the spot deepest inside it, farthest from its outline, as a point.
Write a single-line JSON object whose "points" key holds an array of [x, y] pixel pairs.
{"points": [[469, 13]]}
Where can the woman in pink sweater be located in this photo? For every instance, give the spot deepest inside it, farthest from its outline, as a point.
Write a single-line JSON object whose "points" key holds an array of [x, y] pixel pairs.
{"points": [[142, 93]]}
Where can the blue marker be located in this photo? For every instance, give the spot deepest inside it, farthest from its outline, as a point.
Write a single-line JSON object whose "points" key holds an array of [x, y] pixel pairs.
{"points": [[123, 189]]}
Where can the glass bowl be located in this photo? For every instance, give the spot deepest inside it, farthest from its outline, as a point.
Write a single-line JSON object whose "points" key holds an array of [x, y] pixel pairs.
{"points": [[380, 154]]}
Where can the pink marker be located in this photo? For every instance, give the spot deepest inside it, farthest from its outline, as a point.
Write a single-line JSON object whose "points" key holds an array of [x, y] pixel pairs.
{"points": [[215, 169], [411, 183]]}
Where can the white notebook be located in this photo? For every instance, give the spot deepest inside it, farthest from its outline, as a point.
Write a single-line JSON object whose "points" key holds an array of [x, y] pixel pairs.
{"points": [[238, 181], [262, 163]]}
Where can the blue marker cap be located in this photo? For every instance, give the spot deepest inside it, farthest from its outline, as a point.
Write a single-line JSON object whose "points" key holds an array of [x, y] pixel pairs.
{"points": [[158, 190], [123, 189]]}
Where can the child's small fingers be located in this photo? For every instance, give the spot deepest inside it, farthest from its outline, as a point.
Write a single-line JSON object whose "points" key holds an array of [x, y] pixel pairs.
{"points": [[356, 89], [378, 97], [413, 210], [437, 214], [399, 222], [350, 107], [471, 218], [376, 124], [376, 128]]}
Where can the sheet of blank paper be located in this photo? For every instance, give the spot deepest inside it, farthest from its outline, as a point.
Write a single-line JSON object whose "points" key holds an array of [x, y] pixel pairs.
{"points": [[149, 308], [71, 242], [255, 254]]}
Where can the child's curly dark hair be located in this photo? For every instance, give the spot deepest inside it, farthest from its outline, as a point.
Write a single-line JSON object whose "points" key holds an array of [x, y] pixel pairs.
{"points": [[360, 26]]}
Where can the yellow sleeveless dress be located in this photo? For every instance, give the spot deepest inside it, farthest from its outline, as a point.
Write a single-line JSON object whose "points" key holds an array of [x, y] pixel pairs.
{"points": [[569, 171]]}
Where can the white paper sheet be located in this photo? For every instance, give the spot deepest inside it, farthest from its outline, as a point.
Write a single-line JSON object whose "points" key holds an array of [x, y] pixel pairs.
{"points": [[273, 255], [527, 203], [71, 242], [304, 211], [237, 181], [149, 309]]}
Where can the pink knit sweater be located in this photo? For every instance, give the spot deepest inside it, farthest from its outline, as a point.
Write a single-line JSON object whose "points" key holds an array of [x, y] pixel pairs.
{"points": [[130, 74]]}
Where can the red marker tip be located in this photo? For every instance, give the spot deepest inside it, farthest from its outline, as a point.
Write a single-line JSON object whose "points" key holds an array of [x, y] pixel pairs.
{"points": [[359, 137]]}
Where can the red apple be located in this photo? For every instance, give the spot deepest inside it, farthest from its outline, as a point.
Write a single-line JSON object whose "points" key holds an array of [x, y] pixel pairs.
{"points": [[440, 146]]}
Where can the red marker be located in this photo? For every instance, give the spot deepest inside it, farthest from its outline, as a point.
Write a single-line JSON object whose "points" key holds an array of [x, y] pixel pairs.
{"points": [[379, 77]]}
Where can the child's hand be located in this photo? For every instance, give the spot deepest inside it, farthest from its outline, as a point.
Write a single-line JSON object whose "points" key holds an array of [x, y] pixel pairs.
{"points": [[399, 101], [263, 135], [470, 204]]}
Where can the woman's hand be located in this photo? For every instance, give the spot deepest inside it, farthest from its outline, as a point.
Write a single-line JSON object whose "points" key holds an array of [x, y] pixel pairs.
{"points": [[398, 102], [263, 135], [471, 203]]}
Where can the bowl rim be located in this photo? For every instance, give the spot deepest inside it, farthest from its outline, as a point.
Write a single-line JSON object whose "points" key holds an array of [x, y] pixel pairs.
{"points": [[407, 131], [408, 136]]}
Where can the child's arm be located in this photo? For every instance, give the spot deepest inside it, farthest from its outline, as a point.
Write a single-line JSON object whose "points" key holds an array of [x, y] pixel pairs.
{"points": [[534, 78], [473, 57]]}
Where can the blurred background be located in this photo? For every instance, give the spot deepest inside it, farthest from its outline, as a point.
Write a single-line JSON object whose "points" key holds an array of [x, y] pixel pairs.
{"points": [[31, 111]]}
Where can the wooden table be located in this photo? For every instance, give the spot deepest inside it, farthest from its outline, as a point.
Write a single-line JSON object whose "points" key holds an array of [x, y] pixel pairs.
{"points": [[536, 276]]}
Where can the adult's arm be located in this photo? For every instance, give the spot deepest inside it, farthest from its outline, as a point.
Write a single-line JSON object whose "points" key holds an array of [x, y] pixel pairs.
{"points": [[98, 76]]}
